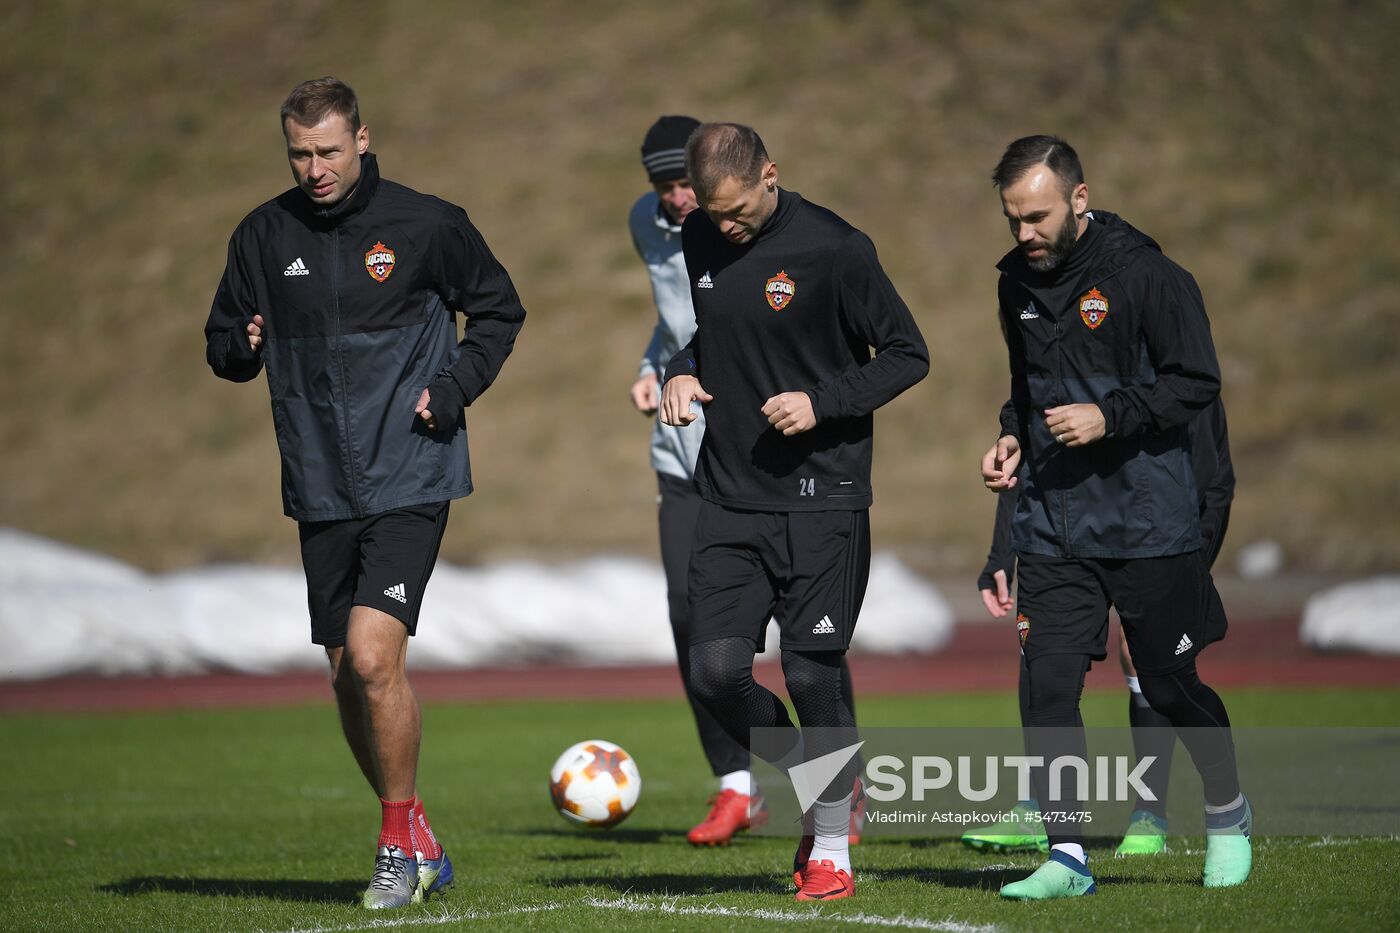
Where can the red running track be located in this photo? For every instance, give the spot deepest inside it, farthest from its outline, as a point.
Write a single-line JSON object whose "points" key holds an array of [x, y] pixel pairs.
{"points": [[980, 656]]}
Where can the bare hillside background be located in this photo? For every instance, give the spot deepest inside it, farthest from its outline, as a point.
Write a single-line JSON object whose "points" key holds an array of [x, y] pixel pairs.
{"points": [[1255, 140]]}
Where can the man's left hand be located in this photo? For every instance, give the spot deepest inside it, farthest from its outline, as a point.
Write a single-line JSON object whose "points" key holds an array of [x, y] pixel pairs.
{"points": [[422, 409], [791, 413], [1075, 425], [999, 601]]}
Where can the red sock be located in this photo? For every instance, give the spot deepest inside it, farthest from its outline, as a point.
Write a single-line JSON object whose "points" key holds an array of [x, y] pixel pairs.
{"points": [[396, 829], [423, 839]]}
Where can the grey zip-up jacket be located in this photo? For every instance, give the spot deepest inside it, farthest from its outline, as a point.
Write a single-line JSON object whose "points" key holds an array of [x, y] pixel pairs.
{"points": [[359, 304], [658, 242]]}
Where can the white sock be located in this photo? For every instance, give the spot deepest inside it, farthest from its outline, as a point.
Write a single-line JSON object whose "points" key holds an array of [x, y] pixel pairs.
{"points": [[1073, 849], [832, 826], [1237, 802], [1133, 685], [741, 782]]}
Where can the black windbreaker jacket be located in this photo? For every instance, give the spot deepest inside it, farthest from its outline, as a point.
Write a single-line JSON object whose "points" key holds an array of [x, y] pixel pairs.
{"points": [[1210, 465], [1129, 333], [358, 303]]}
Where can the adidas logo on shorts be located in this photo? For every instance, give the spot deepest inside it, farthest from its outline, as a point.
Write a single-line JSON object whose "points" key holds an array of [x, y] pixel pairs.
{"points": [[1184, 645], [824, 627], [398, 592]]}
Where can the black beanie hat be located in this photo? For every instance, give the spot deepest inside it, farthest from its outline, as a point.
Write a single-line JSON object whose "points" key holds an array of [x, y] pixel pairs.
{"points": [[663, 151]]}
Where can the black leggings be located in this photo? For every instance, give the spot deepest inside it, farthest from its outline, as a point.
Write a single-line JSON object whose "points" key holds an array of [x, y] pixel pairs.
{"points": [[721, 678], [1152, 738], [1051, 686], [1198, 715]]}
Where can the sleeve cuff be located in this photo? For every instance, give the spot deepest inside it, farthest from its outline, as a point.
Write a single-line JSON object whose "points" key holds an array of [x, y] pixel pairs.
{"points": [[446, 401]]}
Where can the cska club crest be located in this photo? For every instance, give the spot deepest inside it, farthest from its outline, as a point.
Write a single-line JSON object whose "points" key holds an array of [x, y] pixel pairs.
{"points": [[1093, 309], [379, 262], [779, 291], [1023, 627]]}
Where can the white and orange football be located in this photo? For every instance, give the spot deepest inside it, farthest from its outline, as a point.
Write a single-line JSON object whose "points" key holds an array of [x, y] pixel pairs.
{"points": [[595, 783]]}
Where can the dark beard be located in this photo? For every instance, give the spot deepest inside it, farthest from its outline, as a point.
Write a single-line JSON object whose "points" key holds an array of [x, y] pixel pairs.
{"points": [[1058, 250]]}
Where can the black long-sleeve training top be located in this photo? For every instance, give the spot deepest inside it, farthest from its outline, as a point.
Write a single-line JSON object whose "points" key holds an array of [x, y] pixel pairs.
{"points": [[796, 309]]}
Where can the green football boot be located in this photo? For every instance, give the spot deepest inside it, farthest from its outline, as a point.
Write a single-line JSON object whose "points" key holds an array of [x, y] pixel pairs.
{"points": [[1020, 831], [1146, 835], [1229, 853], [1062, 876]]}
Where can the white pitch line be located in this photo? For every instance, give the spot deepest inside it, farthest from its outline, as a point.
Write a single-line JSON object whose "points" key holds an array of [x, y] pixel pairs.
{"points": [[1348, 840], [901, 921], [433, 920]]}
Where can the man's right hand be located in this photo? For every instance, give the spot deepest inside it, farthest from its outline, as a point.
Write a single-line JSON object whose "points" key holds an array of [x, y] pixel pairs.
{"points": [[999, 464], [676, 397], [255, 331], [644, 394], [999, 603]]}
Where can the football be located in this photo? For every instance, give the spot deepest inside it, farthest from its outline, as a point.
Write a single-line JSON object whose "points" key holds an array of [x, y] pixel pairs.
{"points": [[595, 783]]}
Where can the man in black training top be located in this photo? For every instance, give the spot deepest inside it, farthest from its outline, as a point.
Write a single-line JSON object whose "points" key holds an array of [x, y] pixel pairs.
{"points": [[789, 299], [1111, 358], [346, 288]]}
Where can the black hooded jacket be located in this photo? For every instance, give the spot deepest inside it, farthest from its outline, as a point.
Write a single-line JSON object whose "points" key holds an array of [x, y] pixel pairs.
{"points": [[1121, 326]]}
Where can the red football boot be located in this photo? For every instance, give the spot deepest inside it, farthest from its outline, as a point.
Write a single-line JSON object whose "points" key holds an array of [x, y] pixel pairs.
{"points": [[803, 856], [822, 881], [730, 812]]}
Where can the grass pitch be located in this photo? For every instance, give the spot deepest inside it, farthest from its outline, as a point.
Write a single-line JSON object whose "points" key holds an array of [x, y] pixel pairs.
{"points": [[258, 820]]}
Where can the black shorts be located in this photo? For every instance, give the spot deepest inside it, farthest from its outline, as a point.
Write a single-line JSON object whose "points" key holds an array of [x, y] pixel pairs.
{"points": [[1169, 608], [806, 569], [382, 561]]}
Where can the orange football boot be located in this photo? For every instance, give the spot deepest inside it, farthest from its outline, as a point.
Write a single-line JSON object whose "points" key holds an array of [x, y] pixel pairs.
{"points": [[730, 812], [823, 881]]}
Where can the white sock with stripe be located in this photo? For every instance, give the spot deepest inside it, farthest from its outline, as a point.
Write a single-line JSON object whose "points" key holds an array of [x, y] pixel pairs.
{"points": [[832, 825]]}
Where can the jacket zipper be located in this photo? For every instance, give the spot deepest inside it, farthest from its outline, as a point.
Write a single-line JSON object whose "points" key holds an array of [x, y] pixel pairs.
{"points": [[340, 366], [1059, 400]]}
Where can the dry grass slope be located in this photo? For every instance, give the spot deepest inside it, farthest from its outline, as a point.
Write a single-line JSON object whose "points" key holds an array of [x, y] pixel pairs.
{"points": [[1254, 140]]}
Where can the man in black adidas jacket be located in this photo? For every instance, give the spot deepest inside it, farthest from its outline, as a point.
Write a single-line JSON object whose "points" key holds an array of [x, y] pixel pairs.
{"points": [[1111, 358], [789, 299], [345, 288]]}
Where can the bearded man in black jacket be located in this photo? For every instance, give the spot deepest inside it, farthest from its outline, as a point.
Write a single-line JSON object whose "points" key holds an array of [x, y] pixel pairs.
{"points": [[1111, 359], [789, 299]]}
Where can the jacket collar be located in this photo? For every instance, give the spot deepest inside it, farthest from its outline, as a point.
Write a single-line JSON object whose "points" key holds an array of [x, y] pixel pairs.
{"points": [[357, 200], [1105, 253], [663, 219], [787, 207]]}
